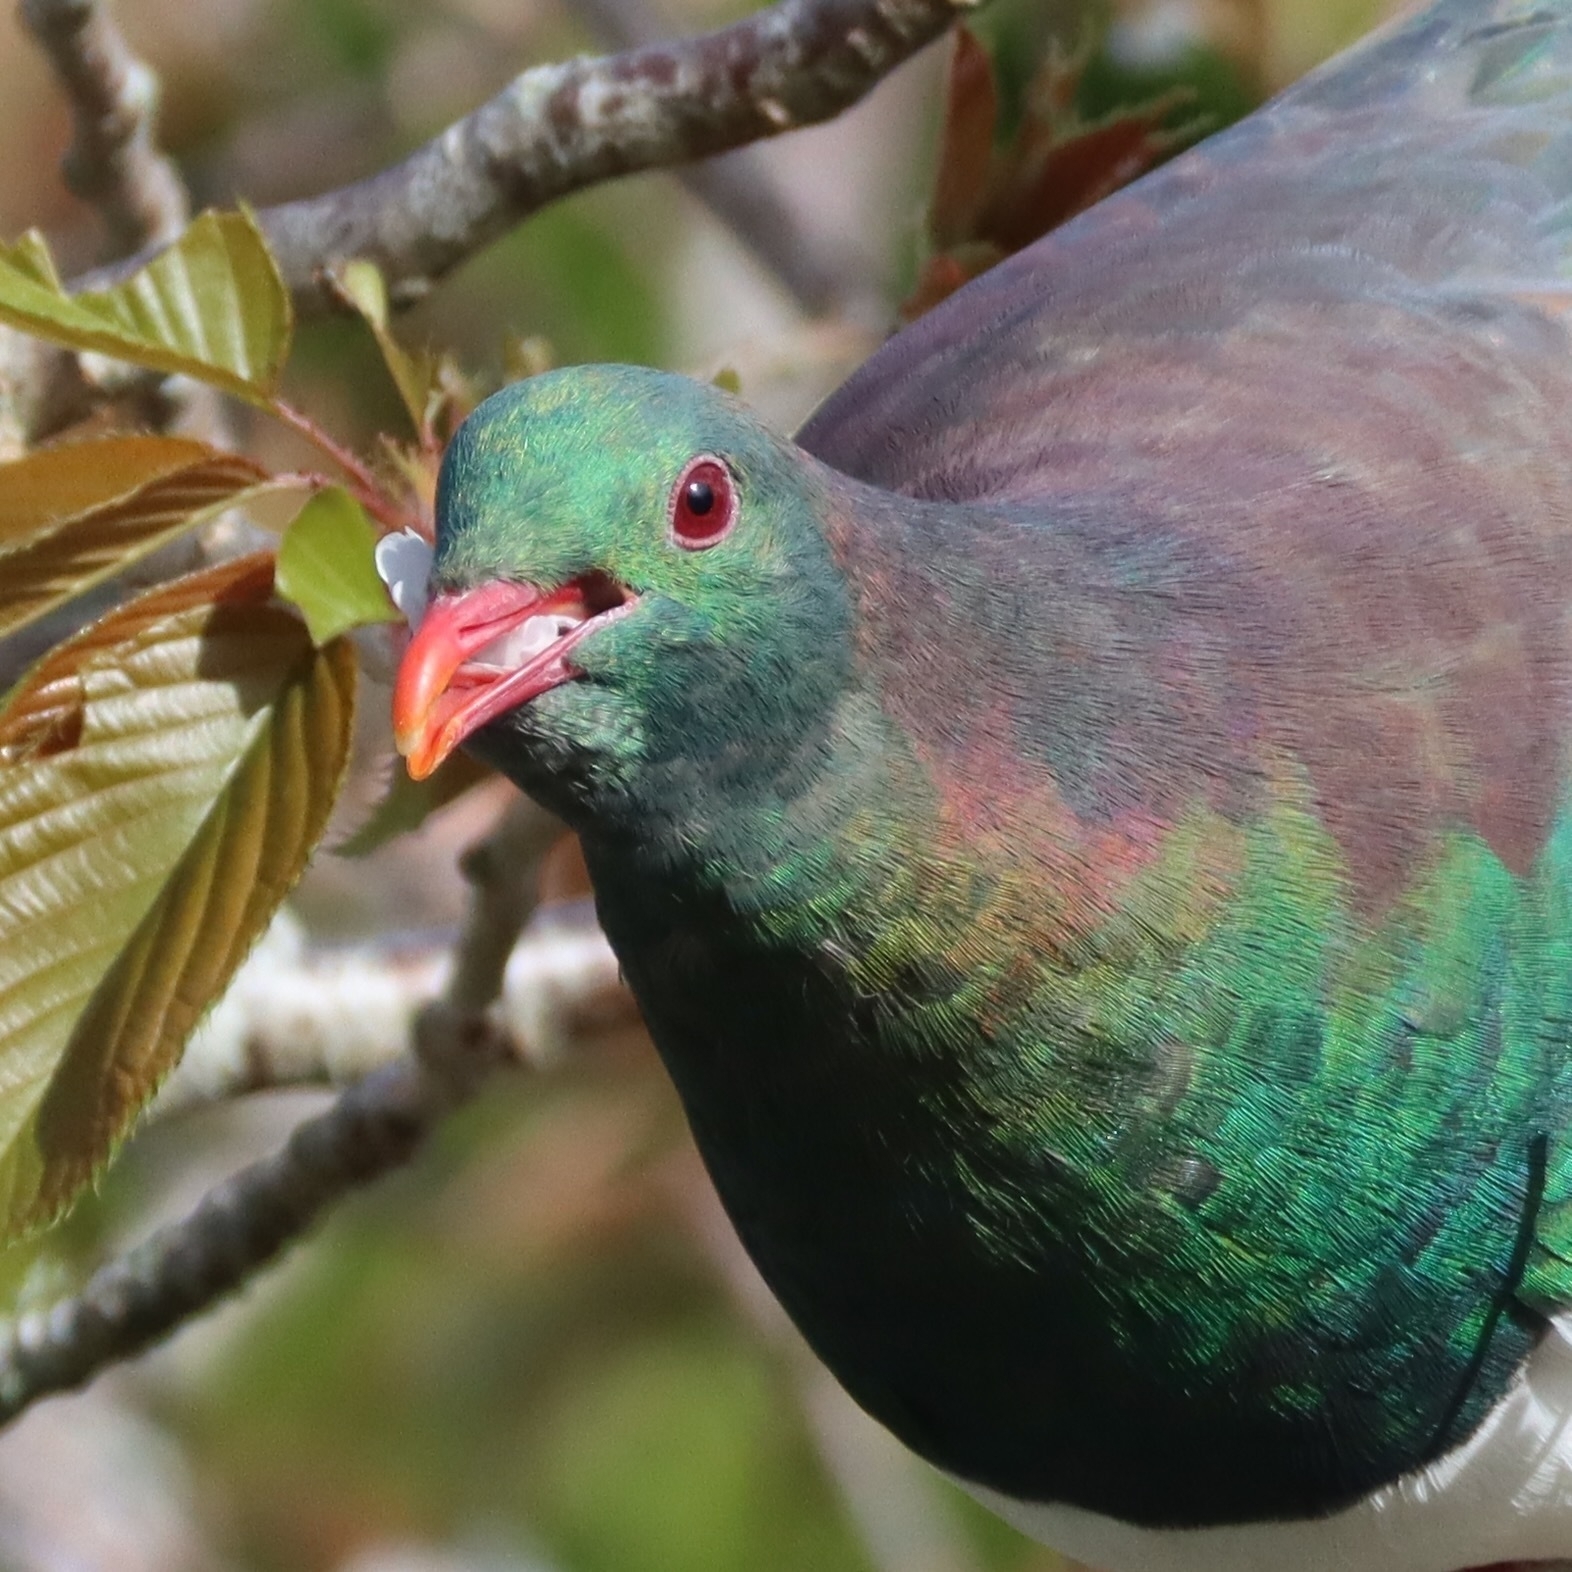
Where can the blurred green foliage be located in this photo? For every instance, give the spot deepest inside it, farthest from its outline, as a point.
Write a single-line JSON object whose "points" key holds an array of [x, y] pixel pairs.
{"points": [[595, 1396], [356, 37]]}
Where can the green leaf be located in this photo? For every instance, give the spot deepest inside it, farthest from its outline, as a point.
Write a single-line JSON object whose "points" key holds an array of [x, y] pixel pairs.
{"points": [[407, 803], [30, 256], [163, 779], [362, 285], [211, 306], [74, 515], [326, 567]]}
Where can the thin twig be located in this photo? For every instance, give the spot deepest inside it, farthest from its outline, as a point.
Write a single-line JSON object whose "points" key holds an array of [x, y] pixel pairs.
{"points": [[299, 1014], [558, 128], [500, 904], [113, 162], [374, 1126], [361, 481], [235, 1229]]}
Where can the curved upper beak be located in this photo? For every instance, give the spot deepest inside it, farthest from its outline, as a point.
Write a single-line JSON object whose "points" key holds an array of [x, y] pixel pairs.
{"points": [[444, 692]]}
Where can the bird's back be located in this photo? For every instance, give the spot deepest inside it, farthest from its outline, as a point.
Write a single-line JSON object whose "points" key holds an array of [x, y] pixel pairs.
{"points": [[1425, 176]]}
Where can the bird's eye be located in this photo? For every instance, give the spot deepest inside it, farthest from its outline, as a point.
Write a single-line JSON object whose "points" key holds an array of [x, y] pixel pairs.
{"points": [[703, 504]]}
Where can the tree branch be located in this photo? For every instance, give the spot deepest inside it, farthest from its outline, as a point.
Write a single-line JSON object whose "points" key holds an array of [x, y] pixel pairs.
{"points": [[236, 1228], [374, 1126], [303, 1015], [742, 192], [559, 128], [112, 162]]}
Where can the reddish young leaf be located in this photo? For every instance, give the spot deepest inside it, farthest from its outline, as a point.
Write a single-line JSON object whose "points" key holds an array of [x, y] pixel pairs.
{"points": [[74, 515], [163, 779], [945, 272], [991, 201], [971, 116], [1071, 170]]}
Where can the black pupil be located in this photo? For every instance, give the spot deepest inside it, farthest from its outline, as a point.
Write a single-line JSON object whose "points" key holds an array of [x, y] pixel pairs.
{"points": [[700, 497]]}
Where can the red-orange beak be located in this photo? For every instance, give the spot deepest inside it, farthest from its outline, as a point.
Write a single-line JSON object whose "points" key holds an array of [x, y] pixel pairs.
{"points": [[479, 654]]}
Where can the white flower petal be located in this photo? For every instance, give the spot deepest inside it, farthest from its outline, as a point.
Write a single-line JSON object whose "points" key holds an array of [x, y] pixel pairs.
{"points": [[404, 565]]}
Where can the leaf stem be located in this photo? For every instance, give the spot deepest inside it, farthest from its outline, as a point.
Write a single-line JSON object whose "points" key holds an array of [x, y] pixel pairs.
{"points": [[363, 485]]}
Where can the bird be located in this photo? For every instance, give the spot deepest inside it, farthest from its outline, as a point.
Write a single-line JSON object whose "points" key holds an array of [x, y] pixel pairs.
{"points": [[1087, 820]]}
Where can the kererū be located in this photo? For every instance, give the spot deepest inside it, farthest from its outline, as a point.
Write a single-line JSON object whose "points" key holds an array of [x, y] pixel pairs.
{"points": [[1088, 822]]}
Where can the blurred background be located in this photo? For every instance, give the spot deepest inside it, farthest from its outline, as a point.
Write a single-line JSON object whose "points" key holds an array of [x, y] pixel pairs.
{"points": [[539, 1347]]}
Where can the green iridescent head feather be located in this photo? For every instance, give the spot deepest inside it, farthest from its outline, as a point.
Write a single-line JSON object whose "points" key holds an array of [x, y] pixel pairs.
{"points": [[573, 472]]}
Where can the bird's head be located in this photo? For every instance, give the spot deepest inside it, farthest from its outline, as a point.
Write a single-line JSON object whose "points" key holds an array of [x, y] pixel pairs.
{"points": [[631, 575]]}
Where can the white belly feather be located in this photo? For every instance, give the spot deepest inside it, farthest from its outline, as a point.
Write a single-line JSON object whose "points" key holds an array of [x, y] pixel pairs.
{"points": [[1504, 1495]]}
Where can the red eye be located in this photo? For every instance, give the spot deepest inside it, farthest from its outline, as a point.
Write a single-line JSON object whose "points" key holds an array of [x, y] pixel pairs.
{"points": [[703, 504]]}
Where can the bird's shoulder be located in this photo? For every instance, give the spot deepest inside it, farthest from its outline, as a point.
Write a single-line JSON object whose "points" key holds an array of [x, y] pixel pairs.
{"points": [[1424, 177]]}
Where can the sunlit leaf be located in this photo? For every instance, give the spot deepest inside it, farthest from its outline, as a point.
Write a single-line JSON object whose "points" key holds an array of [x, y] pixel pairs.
{"points": [[326, 567], [212, 306], [30, 256], [163, 778], [72, 516], [408, 803], [56, 484], [362, 285]]}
